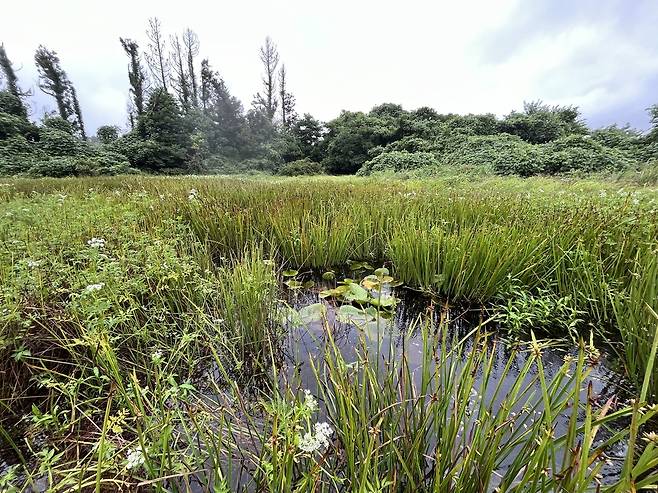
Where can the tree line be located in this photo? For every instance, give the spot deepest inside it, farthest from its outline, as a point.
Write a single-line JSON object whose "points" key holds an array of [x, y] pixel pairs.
{"points": [[183, 119]]}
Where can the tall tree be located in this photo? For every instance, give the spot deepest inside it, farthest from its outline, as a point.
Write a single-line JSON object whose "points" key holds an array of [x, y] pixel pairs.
{"points": [[54, 82], [156, 57], [267, 100], [136, 75], [288, 115], [8, 71], [206, 82], [224, 112], [78, 123], [191, 43], [180, 80]]}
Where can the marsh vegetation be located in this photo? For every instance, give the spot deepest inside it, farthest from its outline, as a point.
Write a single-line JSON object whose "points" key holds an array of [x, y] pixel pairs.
{"points": [[327, 334]]}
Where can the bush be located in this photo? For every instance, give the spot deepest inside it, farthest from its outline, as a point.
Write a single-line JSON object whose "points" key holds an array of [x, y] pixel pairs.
{"points": [[581, 153], [505, 154], [301, 167], [59, 167], [396, 161], [56, 142]]}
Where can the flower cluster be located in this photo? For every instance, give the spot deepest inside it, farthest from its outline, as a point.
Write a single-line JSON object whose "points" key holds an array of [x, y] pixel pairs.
{"points": [[96, 243], [316, 440], [94, 287], [309, 401], [33, 263], [134, 458]]}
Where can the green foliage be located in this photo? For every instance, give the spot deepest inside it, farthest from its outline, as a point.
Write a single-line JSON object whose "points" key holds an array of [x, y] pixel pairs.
{"points": [[540, 123], [397, 161], [300, 167], [581, 153], [12, 105], [351, 136], [505, 154], [107, 134]]}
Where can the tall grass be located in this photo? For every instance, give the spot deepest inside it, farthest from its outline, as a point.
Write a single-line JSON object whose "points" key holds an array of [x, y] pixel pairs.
{"points": [[122, 364]]}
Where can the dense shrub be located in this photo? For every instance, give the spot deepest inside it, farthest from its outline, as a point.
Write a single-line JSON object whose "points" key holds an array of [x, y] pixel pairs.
{"points": [[581, 153], [396, 161], [505, 154], [301, 167]]}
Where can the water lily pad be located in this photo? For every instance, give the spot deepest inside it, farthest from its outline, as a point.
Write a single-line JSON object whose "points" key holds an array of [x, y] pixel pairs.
{"points": [[313, 313], [293, 284], [329, 276], [290, 273]]}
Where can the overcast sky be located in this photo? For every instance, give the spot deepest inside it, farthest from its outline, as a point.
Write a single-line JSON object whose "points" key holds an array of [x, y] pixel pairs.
{"points": [[457, 56]]}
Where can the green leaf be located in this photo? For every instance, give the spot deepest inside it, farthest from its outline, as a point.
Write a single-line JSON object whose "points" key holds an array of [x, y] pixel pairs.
{"points": [[313, 313], [290, 273]]}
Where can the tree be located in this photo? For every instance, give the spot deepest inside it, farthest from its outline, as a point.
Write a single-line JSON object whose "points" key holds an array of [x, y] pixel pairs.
{"points": [[54, 82], [180, 81], [540, 123], [267, 100], [191, 43], [163, 136], [353, 135], [78, 113], [136, 75], [156, 57], [107, 134], [288, 115], [309, 134], [653, 118], [8, 71], [225, 128]]}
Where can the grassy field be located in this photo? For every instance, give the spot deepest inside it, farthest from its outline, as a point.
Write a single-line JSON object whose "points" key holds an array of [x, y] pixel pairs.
{"points": [[141, 327]]}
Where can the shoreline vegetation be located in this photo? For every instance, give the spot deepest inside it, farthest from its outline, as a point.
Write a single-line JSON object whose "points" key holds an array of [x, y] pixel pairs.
{"points": [[143, 320]]}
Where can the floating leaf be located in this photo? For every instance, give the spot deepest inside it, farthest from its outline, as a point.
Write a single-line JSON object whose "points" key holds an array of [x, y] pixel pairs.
{"points": [[313, 313], [290, 273], [329, 276], [293, 284], [349, 314], [308, 284], [356, 293], [381, 272]]}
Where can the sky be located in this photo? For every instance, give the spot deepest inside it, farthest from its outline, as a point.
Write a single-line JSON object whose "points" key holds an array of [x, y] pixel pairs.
{"points": [[466, 56]]}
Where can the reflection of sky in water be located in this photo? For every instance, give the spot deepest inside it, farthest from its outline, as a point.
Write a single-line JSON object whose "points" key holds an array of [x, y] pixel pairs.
{"points": [[400, 334]]}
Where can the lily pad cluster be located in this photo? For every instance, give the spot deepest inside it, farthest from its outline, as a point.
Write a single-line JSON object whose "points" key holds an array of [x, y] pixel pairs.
{"points": [[373, 290]]}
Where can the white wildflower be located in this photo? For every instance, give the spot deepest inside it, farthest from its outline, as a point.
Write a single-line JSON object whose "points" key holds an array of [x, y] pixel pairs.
{"points": [[134, 458], [156, 357], [193, 194], [94, 287], [636, 202], [33, 263], [319, 438], [309, 442], [309, 401], [96, 243]]}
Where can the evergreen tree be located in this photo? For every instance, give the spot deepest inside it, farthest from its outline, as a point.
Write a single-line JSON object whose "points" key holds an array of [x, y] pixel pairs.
{"points": [[266, 101], [165, 135], [78, 123], [191, 43], [54, 82], [8, 71], [288, 115], [225, 131], [180, 81], [156, 57], [136, 75]]}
